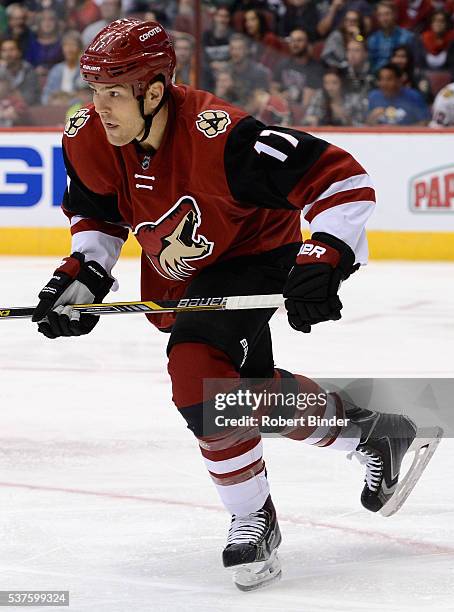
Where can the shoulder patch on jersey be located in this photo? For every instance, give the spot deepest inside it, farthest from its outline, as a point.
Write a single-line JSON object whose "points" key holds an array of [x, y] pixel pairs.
{"points": [[447, 92], [213, 122], [77, 122]]}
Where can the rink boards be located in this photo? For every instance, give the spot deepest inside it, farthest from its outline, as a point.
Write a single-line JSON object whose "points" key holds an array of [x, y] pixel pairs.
{"points": [[413, 171]]}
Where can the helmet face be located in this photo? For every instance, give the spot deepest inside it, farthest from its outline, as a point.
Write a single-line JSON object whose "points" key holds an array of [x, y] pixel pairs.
{"points": [[129, 51]]}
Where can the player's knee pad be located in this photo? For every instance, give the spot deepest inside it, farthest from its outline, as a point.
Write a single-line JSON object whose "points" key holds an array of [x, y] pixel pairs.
{"points": [[189, 364]]}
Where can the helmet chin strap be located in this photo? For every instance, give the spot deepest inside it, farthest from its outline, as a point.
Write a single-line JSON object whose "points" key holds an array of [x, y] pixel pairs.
{"points": [[148, 119]]}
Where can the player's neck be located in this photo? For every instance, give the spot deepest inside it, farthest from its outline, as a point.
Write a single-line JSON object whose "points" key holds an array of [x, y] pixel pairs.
{"points": [[157, 130]]}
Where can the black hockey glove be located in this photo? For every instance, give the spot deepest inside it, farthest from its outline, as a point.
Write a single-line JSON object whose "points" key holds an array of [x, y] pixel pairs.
{"points": [[74, 282], [312, 285]]}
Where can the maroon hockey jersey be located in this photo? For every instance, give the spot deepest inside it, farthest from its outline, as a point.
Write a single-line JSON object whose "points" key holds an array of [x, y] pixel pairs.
{"points": [[220, 185]]}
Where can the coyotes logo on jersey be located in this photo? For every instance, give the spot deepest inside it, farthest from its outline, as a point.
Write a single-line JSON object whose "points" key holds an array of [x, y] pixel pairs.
{"points": [[76, 122], [172, 241], [213, 122]]}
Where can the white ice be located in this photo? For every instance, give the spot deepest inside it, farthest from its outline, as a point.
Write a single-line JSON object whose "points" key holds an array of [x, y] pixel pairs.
{"points": [[103, 491]]}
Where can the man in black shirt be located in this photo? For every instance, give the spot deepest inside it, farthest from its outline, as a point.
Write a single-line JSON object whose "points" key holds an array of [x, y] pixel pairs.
{"points": [[299, 75]]}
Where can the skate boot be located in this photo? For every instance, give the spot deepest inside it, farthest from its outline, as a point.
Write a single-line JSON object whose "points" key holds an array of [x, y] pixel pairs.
{"points": [[385, 440], [251, 549]]}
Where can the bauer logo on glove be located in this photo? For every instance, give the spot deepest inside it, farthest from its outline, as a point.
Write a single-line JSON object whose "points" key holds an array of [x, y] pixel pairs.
{"points": [[74, 282], [313, 283]]}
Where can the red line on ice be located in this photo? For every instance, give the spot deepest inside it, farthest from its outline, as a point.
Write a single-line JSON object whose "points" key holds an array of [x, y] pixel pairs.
{"points": [[420, 545]]}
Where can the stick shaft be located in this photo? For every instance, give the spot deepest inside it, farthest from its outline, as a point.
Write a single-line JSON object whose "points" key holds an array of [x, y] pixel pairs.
{"points": [[238, 302]]}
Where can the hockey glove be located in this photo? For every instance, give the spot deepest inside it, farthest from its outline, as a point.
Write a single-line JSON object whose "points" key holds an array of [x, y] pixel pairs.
{"points": [[312, 285], [74, 282]]}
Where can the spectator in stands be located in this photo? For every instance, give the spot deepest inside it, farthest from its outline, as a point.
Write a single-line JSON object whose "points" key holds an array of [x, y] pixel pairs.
{"points": [[146, 13], [185, 18], [332, 105], [413, 14], [17, 25], [277, 7], [334, 52], [59, 98], [444, 5], [357, 76], [215, 41], [44, 49], [80, 13], [185, 70], [225, 87], [438, 43], [247, 74], [443, 108], [412, 76], [166, 10], [392, 104], [270, 109], [299, 75], [12, 106], [22, 75], [265, 46], [388, 36], [36, 6], [301, 14], [110, 11], [332, 17], [65, 76]]}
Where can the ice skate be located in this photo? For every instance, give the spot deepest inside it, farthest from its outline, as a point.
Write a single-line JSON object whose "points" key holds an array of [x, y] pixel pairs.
{"points": [[385, 440], [251, 549]]}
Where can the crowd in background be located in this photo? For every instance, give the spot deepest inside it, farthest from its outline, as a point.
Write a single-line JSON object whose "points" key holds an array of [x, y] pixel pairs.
{"points": [[288, 62]]}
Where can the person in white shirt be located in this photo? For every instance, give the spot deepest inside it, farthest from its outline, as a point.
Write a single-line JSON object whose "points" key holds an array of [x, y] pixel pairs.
{"points": [[65, 76], [443, 108]]}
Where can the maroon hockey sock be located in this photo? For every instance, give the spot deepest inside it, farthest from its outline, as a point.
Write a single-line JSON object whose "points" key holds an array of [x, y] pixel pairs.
{"points": [[232, 456]]}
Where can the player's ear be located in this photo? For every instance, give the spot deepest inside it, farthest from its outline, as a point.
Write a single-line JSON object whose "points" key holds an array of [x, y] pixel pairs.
{"points": [[153, 95]]}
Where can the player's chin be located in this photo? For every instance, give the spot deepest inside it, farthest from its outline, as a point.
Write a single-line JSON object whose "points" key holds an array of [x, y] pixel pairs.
{"points": [[117, 137]]}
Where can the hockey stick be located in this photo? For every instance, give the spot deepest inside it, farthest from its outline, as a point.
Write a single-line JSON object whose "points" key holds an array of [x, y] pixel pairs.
{"points": [[237, 302]]}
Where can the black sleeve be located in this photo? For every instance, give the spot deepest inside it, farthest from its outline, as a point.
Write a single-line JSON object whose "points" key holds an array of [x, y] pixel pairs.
{"points": [[79, 200], [264, 163]]}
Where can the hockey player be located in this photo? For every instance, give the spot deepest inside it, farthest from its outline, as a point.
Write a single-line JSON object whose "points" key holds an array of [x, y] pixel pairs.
{"points": [[214, 199]]}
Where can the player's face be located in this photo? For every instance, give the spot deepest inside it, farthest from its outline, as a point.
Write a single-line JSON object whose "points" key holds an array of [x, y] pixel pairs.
{"points": [[119, 112]]}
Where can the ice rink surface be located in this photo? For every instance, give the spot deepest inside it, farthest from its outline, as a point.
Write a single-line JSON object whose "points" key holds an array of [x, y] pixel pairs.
{"points": [[103, 491]]}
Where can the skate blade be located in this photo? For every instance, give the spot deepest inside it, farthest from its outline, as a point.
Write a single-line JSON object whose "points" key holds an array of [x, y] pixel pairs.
{"points": [[252, 576], [424, 449]]}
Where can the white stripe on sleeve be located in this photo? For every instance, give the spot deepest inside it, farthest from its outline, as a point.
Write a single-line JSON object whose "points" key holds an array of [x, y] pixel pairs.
{"points": [[347, 222]]}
